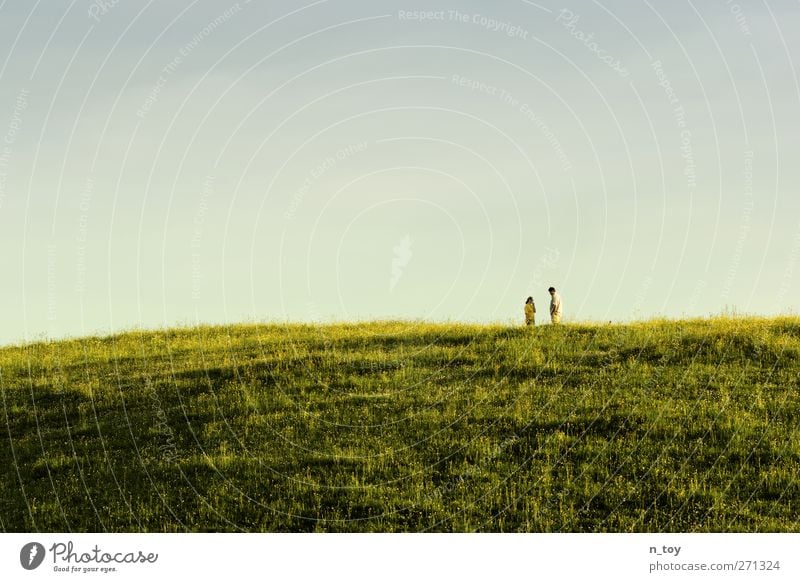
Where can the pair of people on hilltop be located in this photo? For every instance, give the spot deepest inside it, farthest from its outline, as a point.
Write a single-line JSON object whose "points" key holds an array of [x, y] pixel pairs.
{"points": [[555, 308]]}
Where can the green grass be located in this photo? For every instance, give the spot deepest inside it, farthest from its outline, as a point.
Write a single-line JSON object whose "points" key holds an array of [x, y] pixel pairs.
{"points": [[658, 426]]}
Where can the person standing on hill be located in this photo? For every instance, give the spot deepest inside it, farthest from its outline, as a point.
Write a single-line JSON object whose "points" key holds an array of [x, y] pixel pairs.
{"points": [[555, 306], [530, 312]]}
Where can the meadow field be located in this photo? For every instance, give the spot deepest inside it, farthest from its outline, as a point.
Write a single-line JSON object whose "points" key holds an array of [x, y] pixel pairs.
{"points": [[406, 426]]}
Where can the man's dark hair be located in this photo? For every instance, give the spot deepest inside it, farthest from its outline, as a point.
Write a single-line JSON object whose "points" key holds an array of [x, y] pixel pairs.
{"points": [[551, 289]]}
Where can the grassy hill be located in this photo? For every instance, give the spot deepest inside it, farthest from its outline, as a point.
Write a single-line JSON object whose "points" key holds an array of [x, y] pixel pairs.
{"points": [[659, 426]]}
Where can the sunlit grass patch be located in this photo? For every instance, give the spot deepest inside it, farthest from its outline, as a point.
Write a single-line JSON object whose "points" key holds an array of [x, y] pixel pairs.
{"points": [[407, 426]]}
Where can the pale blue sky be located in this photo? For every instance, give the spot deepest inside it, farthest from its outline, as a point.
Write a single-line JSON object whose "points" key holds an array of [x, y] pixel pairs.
{"points": [[164, 163]]}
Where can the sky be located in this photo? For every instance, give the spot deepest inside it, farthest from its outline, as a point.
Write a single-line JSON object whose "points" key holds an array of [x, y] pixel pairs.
{"points": [[169, 163]]}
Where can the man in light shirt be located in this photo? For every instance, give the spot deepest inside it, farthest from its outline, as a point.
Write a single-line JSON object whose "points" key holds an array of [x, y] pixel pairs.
{"points": [[555, 306]]}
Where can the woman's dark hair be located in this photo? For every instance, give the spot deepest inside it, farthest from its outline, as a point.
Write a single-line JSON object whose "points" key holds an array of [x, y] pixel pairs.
{"points": [[551, 289], [529, 300]]}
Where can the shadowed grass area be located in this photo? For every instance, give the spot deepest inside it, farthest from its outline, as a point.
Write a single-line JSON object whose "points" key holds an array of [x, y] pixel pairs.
{"points": [[403, 426]]}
